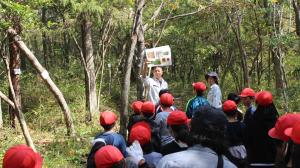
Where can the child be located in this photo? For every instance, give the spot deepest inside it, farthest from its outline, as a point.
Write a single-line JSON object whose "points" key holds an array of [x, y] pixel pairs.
{"points": [[148, 113], [284, 146], [109, 157], [234, 97], [141, 132], [166, 101], [22, 156], [247, 98], [177, 122], [261, 149], [198, 100], [294, 134], [234, 134], [136, 108], [108, 121]]}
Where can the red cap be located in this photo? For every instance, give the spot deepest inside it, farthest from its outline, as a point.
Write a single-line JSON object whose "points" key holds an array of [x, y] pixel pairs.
{"points": [[148, 107], [137, 106], [177, 118], [264, 98], [294, 133], [107, 118], [141, 132], [229, 106], [22, 156], [107, 156], [283, 122], [166, 99], [247, 92], [199, 86]]}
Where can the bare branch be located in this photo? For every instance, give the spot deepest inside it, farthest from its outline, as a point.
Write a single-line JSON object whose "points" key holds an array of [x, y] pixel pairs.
{"points": [[7, 100], [185, 14], [80, 52], [155, 15], [164, 25]]}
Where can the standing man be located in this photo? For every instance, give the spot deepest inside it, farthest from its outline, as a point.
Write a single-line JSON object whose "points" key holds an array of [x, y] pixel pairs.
{"points": [[155, 84]]}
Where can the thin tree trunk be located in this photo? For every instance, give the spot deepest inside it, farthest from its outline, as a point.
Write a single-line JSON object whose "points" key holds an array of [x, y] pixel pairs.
{"points": [[45, 76], [242, 50], [139, 62], [90, 76], [126, 82], [297, 16], [15, 64], [1, 119], [44, 39], [17, 108]]}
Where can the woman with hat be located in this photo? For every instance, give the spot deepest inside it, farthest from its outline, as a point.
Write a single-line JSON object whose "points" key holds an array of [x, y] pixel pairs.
{"points": [[214, 95]]}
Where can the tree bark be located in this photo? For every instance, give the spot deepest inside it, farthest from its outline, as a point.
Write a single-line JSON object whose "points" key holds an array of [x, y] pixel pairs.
{"points": [[45, 76], [126, 81], [15, 69], [139, 62], [1, 119], [296, 8], [17, 106], [90, 76], [44, 38]]}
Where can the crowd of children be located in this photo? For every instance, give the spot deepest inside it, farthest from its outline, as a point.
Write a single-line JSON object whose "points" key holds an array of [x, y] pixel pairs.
{"points": [[209, 134]]}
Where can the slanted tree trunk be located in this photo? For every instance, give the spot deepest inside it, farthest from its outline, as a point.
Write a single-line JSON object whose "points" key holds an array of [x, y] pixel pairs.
{"points": [[17, 107], [7, 100], [126, 81], [90, 76], [45, 76]]}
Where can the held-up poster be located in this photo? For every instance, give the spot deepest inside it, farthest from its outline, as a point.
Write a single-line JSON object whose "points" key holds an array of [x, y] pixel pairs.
{"points": [[159, 56]]}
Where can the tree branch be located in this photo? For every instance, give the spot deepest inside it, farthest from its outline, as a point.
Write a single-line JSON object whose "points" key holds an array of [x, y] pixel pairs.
{"points": [[80, 52], [185, 14], [7, 100]]}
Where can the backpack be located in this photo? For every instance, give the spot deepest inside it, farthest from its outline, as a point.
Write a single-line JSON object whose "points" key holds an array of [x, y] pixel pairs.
{"points": [[91, 158]]}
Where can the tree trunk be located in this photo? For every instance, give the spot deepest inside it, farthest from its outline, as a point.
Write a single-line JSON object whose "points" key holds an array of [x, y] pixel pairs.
{"points": [[139, 62], [44, 39], [45, 76], [297, 16], [17, 106], [15, 64], [243, 53], [126, 81], [90, 76], [1, 119]]}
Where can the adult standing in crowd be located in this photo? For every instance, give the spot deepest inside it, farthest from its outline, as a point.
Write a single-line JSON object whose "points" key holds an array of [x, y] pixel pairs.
{"points": [[214, 95], [155, 84]]}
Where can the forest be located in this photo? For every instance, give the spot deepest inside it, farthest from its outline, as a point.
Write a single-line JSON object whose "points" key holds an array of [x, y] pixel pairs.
{"points": [[64, 61]]}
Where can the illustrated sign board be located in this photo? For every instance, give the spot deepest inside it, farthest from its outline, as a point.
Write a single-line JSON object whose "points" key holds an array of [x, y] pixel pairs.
{"points": [[159, 56]]}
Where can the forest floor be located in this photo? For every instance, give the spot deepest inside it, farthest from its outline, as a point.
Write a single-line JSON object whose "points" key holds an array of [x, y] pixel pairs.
{"points": [[46, 123]]}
